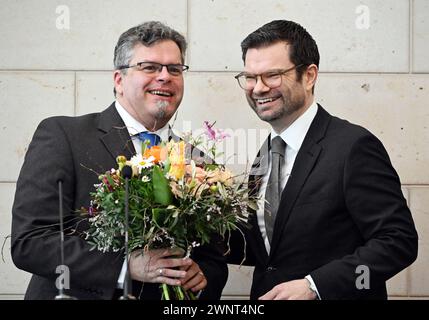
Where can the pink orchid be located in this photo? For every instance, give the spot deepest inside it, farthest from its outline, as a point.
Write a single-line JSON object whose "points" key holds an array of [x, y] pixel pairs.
{"points": [[211, 134], [222, 134]]}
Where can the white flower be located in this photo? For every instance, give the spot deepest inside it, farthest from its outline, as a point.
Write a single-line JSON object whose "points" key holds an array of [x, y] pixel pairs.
{"points": [[208, 217], [145, 179], [140, 162]]}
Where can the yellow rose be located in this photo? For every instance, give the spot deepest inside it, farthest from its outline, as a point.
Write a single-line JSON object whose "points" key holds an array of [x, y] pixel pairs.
{"points": [[177, 160]]}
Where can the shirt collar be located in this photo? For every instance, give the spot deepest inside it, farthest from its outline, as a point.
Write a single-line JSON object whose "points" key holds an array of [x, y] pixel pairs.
{"points": [[294, 135], [134, 127]]}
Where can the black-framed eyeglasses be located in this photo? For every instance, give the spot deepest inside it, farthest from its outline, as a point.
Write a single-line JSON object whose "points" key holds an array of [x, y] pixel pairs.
{"points": [[271, 79], [150, 67]]}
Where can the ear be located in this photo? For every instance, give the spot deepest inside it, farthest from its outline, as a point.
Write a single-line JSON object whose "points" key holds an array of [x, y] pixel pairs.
{"points": [[310, 76], [117, 80]]}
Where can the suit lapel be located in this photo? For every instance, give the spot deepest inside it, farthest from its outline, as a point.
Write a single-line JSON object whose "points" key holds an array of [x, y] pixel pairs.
{"points": [[115, 136], [303, 165]]}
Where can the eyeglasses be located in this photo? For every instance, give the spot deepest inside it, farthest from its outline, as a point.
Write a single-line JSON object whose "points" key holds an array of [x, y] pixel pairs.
{"points": [[150, 67], [271, 79]]}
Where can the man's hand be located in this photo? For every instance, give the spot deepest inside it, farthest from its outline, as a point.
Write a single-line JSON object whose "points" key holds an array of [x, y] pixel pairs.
{"points": [[194, 279], [291, 290], [157, 266]]}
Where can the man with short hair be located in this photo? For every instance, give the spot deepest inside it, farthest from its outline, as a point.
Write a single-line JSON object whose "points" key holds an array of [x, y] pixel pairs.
{"points": [[148, 80], [331, 203]]}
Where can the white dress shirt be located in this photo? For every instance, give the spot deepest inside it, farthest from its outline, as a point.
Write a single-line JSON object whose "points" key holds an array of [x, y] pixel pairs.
{"points": [[293, 136], [134, 127]]}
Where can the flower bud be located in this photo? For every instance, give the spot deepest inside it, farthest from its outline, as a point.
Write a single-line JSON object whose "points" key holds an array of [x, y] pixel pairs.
{"points": [[121, 159]]}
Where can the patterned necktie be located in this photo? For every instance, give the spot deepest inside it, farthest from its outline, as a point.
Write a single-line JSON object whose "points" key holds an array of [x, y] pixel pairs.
{"points": [[153, 138], [273, 191]]}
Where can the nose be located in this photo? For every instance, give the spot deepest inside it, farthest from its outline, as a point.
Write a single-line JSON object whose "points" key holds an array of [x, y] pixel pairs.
{"points": [[163, 75], [260, 86]]}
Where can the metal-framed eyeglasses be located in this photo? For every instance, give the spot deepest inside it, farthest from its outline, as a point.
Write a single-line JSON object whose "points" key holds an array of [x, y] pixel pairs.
{"points": [[150, 67], [271, 79]]}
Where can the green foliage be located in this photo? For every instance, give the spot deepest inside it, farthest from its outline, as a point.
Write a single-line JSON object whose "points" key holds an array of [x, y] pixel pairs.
{"points": [[161, 189]]}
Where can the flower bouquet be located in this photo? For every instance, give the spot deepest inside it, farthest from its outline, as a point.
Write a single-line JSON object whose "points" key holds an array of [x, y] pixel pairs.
{"points": [[174, 200]]}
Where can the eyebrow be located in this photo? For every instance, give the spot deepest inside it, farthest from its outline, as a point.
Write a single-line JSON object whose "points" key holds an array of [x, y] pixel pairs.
{"points": [[265, 72], [149, 61]]}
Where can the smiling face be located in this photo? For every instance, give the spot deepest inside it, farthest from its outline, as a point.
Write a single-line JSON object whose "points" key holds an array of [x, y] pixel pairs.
{"points": [[151, 99], [282, 105]]}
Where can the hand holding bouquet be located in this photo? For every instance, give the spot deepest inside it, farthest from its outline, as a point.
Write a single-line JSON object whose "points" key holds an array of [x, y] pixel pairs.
{"points": [[174, 201]]}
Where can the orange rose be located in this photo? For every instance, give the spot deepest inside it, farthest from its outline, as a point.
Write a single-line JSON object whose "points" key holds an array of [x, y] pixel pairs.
{"points": [[158, 152], [200, 174]]}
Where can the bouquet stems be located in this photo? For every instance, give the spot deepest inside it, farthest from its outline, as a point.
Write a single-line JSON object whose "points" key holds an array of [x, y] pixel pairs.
{"points": [[165, 294], [177, 291]]}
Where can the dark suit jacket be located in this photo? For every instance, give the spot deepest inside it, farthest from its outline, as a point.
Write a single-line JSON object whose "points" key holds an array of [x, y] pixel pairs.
{"points": [[75, 149], [342, 207]]}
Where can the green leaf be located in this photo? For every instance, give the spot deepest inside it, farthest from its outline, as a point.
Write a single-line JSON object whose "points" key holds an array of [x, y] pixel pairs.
{"points": [[161, 189], [167, 166], [176, 219], [194, 168], [253, 205], [159, 216], [210, 167], [222, 190]]}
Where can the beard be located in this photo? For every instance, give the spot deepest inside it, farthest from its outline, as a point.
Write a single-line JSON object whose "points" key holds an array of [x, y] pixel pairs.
{"points": [[288, 105], [162, 108]]}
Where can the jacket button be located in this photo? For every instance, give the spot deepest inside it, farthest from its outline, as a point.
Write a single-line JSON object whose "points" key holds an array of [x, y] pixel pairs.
{"points": [[269, 269]]}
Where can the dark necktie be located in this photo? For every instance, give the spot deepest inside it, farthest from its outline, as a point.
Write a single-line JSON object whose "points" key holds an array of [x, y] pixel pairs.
{"points": [[274, 187], [153, 138]]}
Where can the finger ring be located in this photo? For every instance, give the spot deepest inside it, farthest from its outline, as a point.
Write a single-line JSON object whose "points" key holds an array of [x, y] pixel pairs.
{"points": [[160, 271]]}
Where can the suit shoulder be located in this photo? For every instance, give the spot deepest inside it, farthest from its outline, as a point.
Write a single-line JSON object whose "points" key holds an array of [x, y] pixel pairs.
{"points": [[69, 122], [343, 136], [348, 130]]}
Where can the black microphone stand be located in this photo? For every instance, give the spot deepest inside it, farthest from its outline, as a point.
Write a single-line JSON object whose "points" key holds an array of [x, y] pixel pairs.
{"points": [[127, 173], [61, 295]]}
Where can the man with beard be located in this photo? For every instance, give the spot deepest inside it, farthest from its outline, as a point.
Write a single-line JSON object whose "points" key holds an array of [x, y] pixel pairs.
{"points": [[332, 222], [148, 81]]}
